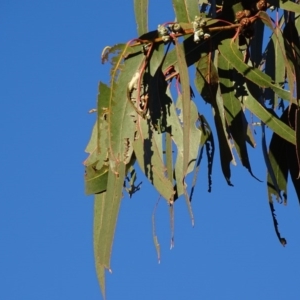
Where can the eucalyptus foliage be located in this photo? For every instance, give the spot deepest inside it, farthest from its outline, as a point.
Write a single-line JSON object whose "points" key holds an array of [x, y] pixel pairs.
{"points": [[147, 118]]}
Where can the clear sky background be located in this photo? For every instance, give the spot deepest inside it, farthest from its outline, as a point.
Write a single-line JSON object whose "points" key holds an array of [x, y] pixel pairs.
{"points": [[50, 68]]}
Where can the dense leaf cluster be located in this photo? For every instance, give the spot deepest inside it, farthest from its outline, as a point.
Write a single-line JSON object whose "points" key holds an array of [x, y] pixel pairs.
{"points": [[147, 117]]}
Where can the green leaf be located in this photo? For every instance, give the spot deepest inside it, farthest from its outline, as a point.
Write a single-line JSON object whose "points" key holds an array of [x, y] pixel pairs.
{"points": [[283, 48], [206, 82], [141, 15], [270, 119], [122, 116], [108, 218], [275, 63], [230, 51], [233, 111], [99, 210], [186, 10], [289, 6], [148, 151], [206, 79], [186, 103], [102, 111], [278, 160], [178, 137], [95, 179]]}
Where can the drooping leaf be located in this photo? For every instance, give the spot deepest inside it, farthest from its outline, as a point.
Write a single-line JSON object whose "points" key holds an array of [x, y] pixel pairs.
{"points": [[99, 210], [289, 6], [150, 160], [270, 119], [186, 10], [106, 214], [277, 157], [230, 51], [141, 16], [155, 238], [275, 66], [206, 79], [186, 103], [233, 111], [282, 48], [206, 82], [194, 147], [121, 115]]}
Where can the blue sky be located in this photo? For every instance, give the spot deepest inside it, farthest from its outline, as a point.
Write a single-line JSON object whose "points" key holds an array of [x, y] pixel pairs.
{"points": [[50, 68]]}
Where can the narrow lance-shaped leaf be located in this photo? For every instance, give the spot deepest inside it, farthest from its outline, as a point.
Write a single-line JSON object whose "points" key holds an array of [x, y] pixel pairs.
{"points": [[233, 111], [275, 66], [186, 103], [141, 15], [109, 216], [277, 157], [270, 119], [99, 209], [174, 121], [150, 160], [122, 116], [96, 172], [206, 82], [194, 147], [283, 48], [97, 146], [209, 146], [186, 10], [271, 173], [230, 51], [289, 6]]}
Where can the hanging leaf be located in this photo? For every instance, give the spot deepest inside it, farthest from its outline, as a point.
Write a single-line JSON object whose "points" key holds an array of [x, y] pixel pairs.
{"points": [[186, 103], [138, 122], [122, 116], [230, 51], [99, 210], [289, 6], [207, 85], [270, 119], [233, 111], [149, 157], [141, 16], [186, 10], [275, 66]]}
